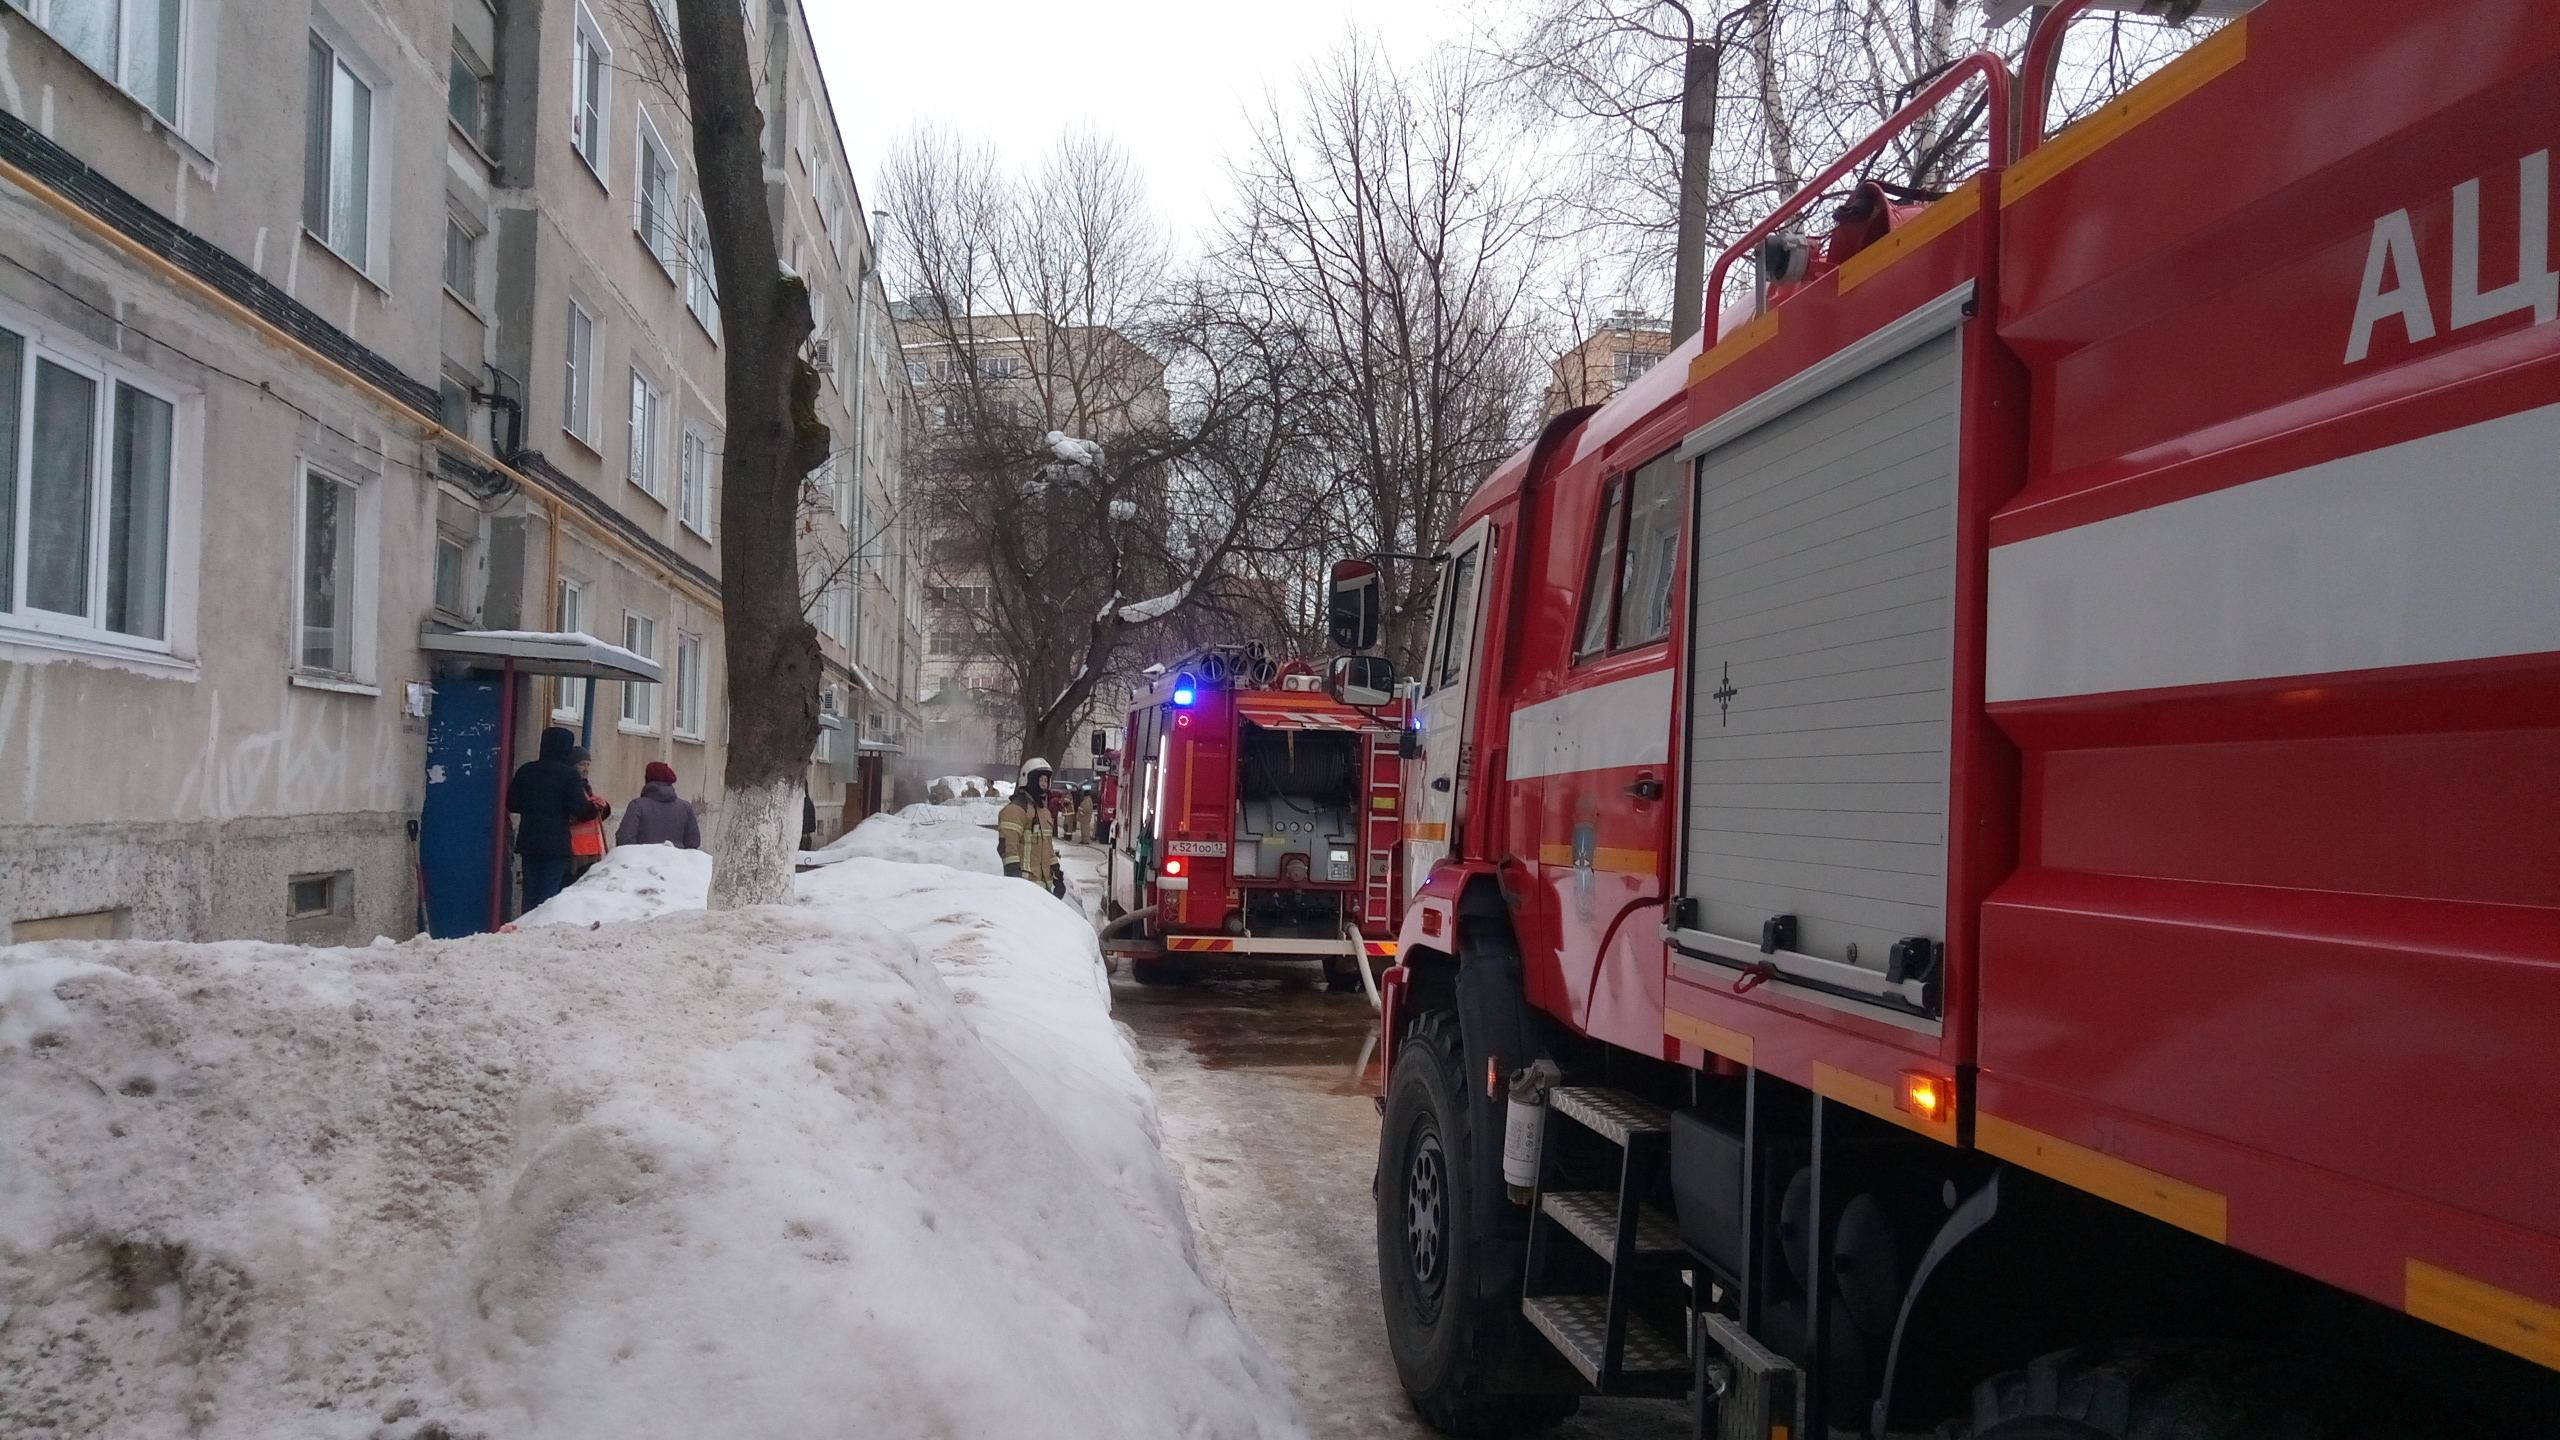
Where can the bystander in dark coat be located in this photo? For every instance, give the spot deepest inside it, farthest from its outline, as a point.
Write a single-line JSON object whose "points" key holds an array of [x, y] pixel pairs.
{"points": [[547, 795], [659, 817]]}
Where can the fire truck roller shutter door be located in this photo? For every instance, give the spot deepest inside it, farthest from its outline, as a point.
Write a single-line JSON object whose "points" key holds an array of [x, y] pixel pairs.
{"points": [[1822, 654]]}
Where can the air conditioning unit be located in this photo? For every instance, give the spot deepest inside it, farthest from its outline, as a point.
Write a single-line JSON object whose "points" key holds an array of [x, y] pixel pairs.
{"points": [[822, 355]]}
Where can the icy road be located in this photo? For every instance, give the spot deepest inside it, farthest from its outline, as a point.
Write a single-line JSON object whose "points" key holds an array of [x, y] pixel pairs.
{"points": [[1268, 1117]]}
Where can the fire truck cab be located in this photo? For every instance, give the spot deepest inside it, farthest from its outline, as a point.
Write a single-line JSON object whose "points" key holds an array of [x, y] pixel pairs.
{"points": [[1258, 816], [1986, 855]]}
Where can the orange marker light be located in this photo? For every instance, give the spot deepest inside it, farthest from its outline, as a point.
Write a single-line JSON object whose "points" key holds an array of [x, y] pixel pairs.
{"points": [[1928, 1097]]}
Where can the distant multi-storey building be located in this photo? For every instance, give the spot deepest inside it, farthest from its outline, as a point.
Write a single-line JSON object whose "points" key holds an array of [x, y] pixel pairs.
{"points": [[1019, 376], [362, 417], [1606, 362]]}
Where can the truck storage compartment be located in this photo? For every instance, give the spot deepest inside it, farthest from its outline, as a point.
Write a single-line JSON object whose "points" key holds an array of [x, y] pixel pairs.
{"points": [[1816, 826], [1298, 806]]}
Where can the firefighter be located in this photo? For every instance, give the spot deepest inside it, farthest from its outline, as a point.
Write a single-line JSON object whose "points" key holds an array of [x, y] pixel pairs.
{"points": [[1026, 833]]}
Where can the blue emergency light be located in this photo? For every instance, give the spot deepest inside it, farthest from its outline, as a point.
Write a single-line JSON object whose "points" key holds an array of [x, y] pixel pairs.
{"points": [[1185, 689]]}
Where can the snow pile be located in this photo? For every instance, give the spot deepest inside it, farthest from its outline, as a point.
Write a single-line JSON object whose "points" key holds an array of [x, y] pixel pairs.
{"points": [[774, 1172], [1029, 975], [631, 882], [954, 812], [941, 837]]}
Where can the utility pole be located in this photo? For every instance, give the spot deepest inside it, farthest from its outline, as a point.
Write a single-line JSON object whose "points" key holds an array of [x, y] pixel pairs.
{"points": [[1697, 144]]}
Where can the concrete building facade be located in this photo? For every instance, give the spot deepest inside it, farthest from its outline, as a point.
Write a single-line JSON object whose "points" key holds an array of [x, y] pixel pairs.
{"points": [[327, 330], [1608, 360]]}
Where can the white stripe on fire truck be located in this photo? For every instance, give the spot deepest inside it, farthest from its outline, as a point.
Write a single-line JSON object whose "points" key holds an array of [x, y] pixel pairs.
{"points": [[2433, 550], [1625, 722]]}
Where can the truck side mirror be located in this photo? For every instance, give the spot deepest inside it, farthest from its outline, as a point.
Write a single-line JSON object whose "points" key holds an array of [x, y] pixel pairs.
{"points": [[1364, 680], [1100, 748], [1352, 616]]}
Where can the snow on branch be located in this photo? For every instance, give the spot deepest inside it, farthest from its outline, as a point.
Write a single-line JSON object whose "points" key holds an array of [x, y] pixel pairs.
{"points": [[1139, 612], [1074, 451]]}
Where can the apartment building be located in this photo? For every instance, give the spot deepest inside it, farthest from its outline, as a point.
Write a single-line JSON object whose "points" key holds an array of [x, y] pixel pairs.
{"points": [[1005, 377], [865, 597], [357, 369], [1608, 360]]}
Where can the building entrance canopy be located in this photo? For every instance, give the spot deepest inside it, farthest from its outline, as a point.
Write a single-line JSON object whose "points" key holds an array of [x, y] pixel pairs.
{"points": [[542, 652]]}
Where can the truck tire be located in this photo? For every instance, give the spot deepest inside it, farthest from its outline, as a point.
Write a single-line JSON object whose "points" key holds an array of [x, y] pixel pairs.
{"points": [[1442, 1331], [2139, 1390], [1163, 972], [1339, 976]]}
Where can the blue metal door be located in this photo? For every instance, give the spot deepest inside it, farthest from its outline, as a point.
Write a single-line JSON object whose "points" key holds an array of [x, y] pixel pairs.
{"points": [[457, 830]]}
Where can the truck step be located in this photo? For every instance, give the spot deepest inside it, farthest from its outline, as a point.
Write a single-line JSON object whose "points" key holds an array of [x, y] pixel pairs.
{"points": [[1578, 1326], [1615, 1114], [1592, 1216]]}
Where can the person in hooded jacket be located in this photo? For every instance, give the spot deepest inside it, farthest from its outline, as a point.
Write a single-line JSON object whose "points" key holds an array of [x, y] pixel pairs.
{"points": [[659, 816], [548, 796]]}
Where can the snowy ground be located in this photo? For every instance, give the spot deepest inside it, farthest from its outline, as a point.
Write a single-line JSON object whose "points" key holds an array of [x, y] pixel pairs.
{"points": [[877, 1164], [1264, 1082]]}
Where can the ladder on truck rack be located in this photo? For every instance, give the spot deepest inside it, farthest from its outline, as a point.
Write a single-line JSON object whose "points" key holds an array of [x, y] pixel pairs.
{"points": [[1601, 1334]]}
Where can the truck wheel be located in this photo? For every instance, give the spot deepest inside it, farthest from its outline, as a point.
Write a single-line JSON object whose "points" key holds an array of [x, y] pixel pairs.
{"points": [[1162, 972], [2187, 1390], [1443, 1336], [1339, 976]]}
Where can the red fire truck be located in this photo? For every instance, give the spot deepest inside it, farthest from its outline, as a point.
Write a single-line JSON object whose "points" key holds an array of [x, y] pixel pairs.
{"points": [[1258, 815], [1988, 837]]}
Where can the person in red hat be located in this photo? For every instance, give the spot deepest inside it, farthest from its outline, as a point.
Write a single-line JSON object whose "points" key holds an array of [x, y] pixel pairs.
{"points": [[659, 816]]}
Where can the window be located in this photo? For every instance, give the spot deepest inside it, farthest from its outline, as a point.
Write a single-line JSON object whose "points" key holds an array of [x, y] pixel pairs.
{"points": [[657, 218], [916, 373], [1634, 553], [1653, 548], [337, 158], [693, 495], [328, 578], [1456, 620], [453, 405], [639, 699], [569, 694], [590, 75], [452, 568], [1600, 593], [461, 260], [1000, 367], [467, 94], [311, 895], [134, 43], [701, 284], [84, 478], [581, 352], [688, 696], [640, 465], [1629, 364]]}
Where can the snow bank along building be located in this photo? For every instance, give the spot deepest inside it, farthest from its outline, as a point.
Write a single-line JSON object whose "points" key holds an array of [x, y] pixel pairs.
{"points": [[359, 416]]}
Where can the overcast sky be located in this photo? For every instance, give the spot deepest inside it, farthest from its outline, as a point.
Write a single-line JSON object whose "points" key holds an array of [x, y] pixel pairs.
{"points": [[1170, 81]]}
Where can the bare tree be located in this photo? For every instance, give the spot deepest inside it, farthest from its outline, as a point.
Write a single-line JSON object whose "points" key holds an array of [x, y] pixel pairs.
{"points": [[1102, 434], [1813, 76], [769, 394], [1376, 220]]}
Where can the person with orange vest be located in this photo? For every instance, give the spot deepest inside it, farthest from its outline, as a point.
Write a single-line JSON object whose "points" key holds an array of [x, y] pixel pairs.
{"points": [[586, 837]]}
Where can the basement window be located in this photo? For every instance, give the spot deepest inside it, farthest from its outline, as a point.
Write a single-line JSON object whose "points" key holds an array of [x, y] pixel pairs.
{"points": [[309, 897]]}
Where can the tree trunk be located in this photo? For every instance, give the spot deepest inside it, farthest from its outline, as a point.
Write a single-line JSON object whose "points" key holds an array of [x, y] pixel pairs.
{"points": [[1689, 300], [774, 439]]}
